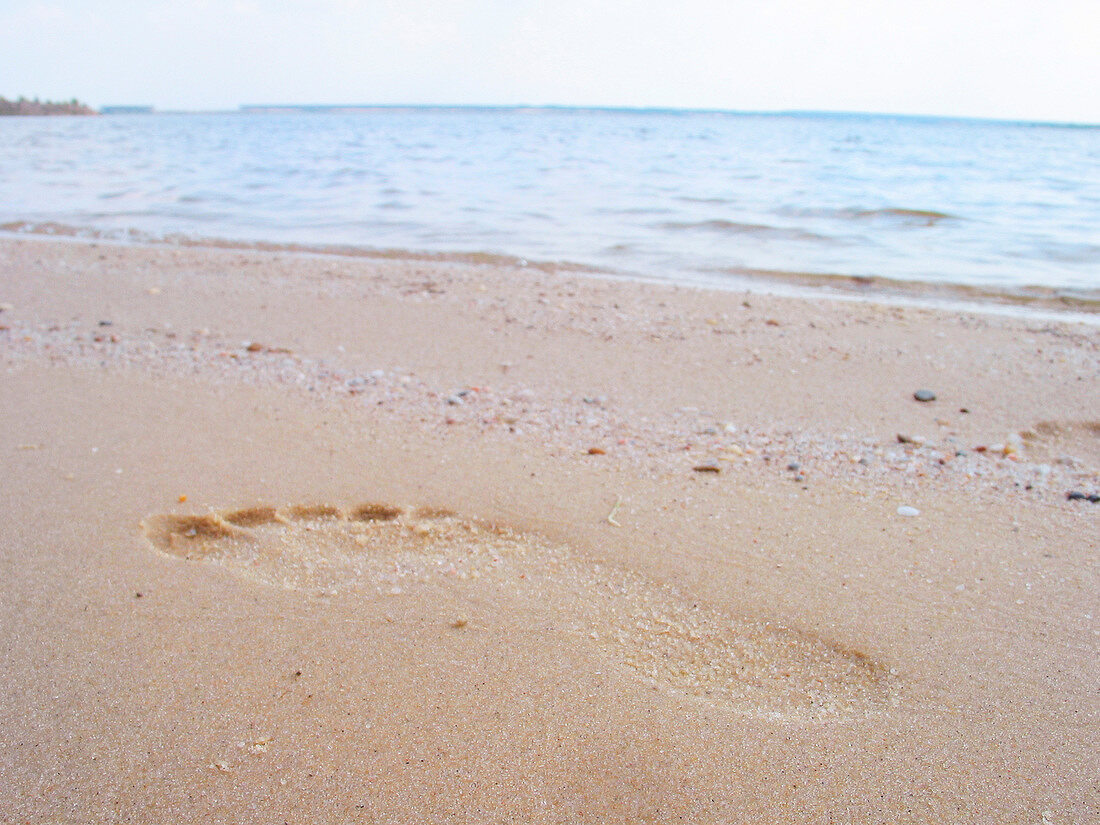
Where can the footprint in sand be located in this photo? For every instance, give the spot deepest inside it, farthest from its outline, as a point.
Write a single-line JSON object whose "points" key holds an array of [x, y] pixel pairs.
{"points": [[755, 667]]}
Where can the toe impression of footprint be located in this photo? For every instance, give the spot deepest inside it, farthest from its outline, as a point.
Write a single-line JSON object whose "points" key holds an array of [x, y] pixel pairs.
{"points": [[761, 668]]}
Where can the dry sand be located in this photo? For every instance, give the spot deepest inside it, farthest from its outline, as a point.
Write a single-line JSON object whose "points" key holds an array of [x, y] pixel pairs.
{"points": [[305, 538]]}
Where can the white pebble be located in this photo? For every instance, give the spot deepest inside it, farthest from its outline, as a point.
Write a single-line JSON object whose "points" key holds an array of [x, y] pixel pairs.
{"points": [[906, 510]]}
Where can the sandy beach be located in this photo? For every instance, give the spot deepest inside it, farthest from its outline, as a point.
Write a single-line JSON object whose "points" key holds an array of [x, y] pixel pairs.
{"points": [[310, 538]]}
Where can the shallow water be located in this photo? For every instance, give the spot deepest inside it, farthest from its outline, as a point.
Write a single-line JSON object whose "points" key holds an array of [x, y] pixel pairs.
{"points": [[691, 197]]}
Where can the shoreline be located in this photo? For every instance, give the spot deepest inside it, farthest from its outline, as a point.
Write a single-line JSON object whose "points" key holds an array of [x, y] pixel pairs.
{"points": [[406, 540], [1027, 301]]}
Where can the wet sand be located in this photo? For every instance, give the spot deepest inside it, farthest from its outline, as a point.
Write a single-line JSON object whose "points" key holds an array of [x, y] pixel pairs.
{"points": [[321, 539]]}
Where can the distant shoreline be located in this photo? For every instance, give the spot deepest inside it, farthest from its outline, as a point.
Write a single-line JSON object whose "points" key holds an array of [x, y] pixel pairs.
{"points": [[22, 106]]}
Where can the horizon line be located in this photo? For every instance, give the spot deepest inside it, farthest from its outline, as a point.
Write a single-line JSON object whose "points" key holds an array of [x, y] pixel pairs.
{"points": [[249, 108]]}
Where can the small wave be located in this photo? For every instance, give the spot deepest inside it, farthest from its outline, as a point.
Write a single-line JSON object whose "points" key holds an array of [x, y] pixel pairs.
{"points": [[708, 201], [137, 236], [899, 216], [1085, 301], [1069, 253], [735, 228], [925, 217]]}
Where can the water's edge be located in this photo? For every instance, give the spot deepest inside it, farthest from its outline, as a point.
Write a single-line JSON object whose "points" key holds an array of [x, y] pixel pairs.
{"points": [[1029, 301]]}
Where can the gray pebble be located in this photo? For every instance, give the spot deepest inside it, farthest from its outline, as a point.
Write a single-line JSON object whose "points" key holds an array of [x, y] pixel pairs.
{"points": [[924, 395], [1077, 495], [906, 510]]}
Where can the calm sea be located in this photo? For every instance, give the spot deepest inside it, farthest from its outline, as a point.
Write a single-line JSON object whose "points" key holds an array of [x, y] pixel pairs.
{"points": [[683, 196]]}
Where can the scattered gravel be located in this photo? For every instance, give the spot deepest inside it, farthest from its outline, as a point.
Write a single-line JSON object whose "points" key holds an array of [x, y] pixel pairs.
{"points": [[567, 426]]}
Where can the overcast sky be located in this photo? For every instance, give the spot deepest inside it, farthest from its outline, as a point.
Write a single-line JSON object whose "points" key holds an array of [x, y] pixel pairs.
{"points": [[1027, 59]]}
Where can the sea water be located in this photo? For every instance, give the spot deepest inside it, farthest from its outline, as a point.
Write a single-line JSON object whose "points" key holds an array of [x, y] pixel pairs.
{"points": [[687, 197]]}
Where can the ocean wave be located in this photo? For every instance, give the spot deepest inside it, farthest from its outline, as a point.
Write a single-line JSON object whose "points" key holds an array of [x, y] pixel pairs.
{"points": [[896, 215], [1085, 301], [1072, 304], [726, 227], [137, 236], [924, 217]]}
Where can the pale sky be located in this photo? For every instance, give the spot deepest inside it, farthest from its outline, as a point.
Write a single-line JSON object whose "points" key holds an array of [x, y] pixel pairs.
{"points": [[1027, 59]]}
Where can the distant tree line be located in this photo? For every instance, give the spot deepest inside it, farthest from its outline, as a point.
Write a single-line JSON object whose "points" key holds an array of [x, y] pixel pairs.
{"points": [[22, 106]]}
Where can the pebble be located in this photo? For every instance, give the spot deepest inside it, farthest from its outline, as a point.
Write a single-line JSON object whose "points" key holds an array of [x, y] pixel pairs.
{"points": [[1077, 495], [794, 466], [924, 395], [906, 510], [454, 400], [709, 466]]}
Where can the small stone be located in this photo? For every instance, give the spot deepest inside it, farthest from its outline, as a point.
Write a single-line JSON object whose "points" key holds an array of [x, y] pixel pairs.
{"points": [[597, 451], [1076, 495], [794, 466], [907, 511], [709, 466], [459, 623], [454, 400], [904, 438], [254, 347], [924, 395]]}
